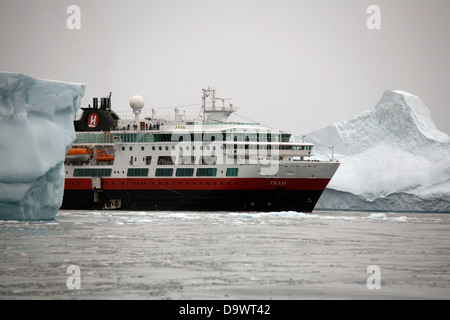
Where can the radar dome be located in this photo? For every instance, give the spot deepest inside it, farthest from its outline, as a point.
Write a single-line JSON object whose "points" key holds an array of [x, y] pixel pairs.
{"points": [[136, 102]]}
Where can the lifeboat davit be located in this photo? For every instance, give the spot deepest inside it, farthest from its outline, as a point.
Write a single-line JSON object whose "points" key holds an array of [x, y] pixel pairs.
{"points": [[102, 156], [78, 154]]}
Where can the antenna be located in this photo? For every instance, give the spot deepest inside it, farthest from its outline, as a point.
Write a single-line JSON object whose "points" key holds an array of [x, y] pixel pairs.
{"points": [[206, 93], [136, 103], [223, 102]]}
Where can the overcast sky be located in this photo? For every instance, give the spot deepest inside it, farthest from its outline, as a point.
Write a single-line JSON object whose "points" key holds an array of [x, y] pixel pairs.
{"points": [[296, 65]]}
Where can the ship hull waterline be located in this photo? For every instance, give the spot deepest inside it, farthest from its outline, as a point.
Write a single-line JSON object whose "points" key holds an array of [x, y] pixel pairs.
{"points": [[193, 200]]}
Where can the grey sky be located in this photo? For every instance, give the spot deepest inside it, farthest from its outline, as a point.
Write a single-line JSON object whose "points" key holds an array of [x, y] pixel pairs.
{"points": [[294, 65]]}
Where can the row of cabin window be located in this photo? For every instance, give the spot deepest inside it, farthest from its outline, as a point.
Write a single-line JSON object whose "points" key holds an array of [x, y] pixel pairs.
{"points": [[160, 148], [160, 172], [167, 148], [268, 137], [168, 160], [189, 172]]}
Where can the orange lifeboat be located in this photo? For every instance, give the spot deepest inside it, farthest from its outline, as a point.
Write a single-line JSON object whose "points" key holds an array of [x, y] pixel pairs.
{"points": [[78, 154], [102, 156]]}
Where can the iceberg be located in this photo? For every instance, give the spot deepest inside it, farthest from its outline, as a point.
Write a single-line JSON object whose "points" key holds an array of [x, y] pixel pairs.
{"points": [[36, 131], [393, 158]]}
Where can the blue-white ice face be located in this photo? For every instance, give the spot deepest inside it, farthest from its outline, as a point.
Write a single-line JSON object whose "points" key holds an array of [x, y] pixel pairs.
{"points": [[393, 158], [36, 130]]}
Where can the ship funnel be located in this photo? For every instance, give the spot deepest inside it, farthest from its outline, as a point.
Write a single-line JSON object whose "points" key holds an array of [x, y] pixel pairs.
{"points": [[95, 103]]}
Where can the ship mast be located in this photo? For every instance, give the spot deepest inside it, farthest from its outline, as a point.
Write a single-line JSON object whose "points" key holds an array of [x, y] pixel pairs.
{"points": [[206, 93], [220, 115]]}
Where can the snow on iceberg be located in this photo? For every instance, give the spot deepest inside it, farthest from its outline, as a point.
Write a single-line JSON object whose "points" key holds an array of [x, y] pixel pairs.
{"points": [[393, 158], [36, 131]]}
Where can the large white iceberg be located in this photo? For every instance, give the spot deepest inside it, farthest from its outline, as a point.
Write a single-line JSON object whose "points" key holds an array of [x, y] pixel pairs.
{"points": [[36, 131], [393, 158]]}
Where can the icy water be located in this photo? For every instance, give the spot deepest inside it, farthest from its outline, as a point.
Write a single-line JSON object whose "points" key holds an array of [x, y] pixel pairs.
{"points": [[190, 255]]}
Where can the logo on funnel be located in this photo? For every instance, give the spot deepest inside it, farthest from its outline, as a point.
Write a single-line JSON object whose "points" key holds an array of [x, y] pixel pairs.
{"points": [[93, 120]]}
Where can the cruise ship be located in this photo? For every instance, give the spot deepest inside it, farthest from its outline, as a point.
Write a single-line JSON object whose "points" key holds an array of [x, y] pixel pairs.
{"points": [[208, 163]]}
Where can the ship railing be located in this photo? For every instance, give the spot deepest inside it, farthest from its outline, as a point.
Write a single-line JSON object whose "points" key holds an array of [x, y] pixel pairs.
{"points": [[94, 137]]}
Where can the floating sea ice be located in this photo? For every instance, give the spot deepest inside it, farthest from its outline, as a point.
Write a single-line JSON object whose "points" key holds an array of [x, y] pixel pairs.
{"points": [[36, 131], [393, 158]]}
